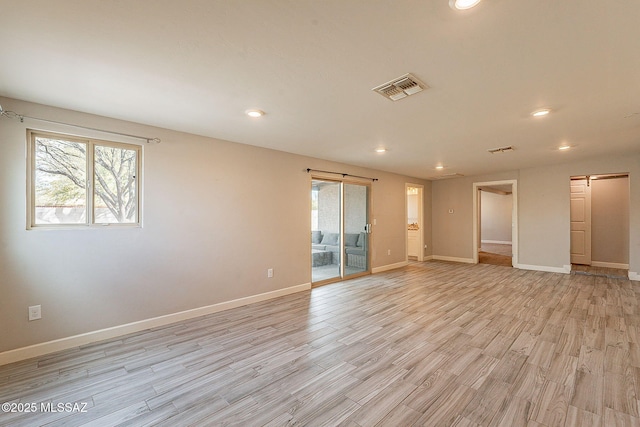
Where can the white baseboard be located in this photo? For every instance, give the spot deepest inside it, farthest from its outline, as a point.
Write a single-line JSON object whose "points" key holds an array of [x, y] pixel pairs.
{"points": [[454, 259], [497, 242], [389, 267], [116, 331], [564, 269], [424, 258], [609, 265], [634, 276]]}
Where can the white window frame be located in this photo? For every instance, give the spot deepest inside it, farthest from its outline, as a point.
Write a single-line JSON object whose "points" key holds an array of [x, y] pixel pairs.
{"points": [[91, 143]]}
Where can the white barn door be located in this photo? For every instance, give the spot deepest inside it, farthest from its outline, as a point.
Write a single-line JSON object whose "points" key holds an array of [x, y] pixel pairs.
{"points": [[580, 222]]}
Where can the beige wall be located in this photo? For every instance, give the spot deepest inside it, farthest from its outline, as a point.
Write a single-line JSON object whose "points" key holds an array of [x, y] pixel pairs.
{"points": [[610, 220], [217, 215], [496, 216], [543, 211], [453, 233]]}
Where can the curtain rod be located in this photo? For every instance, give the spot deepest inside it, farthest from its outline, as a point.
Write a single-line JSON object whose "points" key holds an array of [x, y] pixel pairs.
{"points": [[309, 170], [14, 115]]}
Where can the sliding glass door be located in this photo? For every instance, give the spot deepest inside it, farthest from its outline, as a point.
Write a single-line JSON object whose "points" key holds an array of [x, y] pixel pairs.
{"points": [[356, 229], [326, 210], [339, 230]]}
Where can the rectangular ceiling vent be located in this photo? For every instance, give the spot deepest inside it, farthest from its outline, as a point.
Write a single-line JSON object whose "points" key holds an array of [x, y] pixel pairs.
{"points": [[445, 176], [501, 149], [401, 87]]}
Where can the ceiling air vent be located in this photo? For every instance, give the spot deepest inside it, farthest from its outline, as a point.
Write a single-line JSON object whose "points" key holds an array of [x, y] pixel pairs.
{"points": [[401, 87], [501, 149]]}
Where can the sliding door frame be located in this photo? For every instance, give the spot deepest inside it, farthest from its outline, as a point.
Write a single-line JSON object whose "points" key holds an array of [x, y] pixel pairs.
{"points": [[343, 257]]}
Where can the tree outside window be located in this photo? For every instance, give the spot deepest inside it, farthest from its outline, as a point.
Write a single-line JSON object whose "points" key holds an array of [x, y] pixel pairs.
{"points": [[81, 181]]}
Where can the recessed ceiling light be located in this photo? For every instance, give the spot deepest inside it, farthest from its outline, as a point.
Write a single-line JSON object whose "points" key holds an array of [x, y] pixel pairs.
{"points": [[463, 4], [255, 113], [564, 147], [381, 150], [540, 113], [439, 167]]}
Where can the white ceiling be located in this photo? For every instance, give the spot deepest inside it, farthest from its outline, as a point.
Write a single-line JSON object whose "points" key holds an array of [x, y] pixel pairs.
{"points": [[196, 66]]}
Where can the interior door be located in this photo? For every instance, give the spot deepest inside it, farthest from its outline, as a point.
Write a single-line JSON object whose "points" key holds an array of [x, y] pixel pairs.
{"points": [[356, 229], [580, 222]]}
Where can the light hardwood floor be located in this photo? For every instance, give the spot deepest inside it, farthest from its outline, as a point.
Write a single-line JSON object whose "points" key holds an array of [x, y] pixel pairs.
{"points": [[434, 343], [612, 273], [497, 248]]}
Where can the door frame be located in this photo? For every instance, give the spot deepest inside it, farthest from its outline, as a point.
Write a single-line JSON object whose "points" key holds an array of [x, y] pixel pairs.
{"points": [[420, 219], [514, 217]]}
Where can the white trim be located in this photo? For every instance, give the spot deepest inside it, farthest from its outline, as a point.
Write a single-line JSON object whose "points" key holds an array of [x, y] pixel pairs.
{"points": [[609, 265], [634, 276], [453, 259], [497, 242], [564, 270], [116, 331], [389, 267], [425, 258]]}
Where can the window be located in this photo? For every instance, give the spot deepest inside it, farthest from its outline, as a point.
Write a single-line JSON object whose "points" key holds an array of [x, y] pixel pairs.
{"points": [[78, 181]]}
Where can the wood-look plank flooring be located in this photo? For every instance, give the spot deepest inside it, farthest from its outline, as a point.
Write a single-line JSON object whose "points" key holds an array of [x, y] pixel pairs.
{"points": [[495, 254], [588, 270], [434, 344], [494, 259], [497, 248]]}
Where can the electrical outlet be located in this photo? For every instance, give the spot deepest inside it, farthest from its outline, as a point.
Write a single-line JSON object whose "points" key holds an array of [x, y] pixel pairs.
{"points": [[270, 272], [388, 251], [35, 312]]}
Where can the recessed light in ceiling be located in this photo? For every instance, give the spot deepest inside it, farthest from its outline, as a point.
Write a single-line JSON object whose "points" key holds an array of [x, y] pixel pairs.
{"points": [[463, 4], [439, 167], [564, 147], [541, 112], [255, 113], [381, 150]]}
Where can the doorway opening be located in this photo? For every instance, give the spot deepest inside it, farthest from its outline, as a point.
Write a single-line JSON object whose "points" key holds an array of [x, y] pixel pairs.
{"points": [[340, 230], [599, 216], [495, 225], [415, 222]]}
